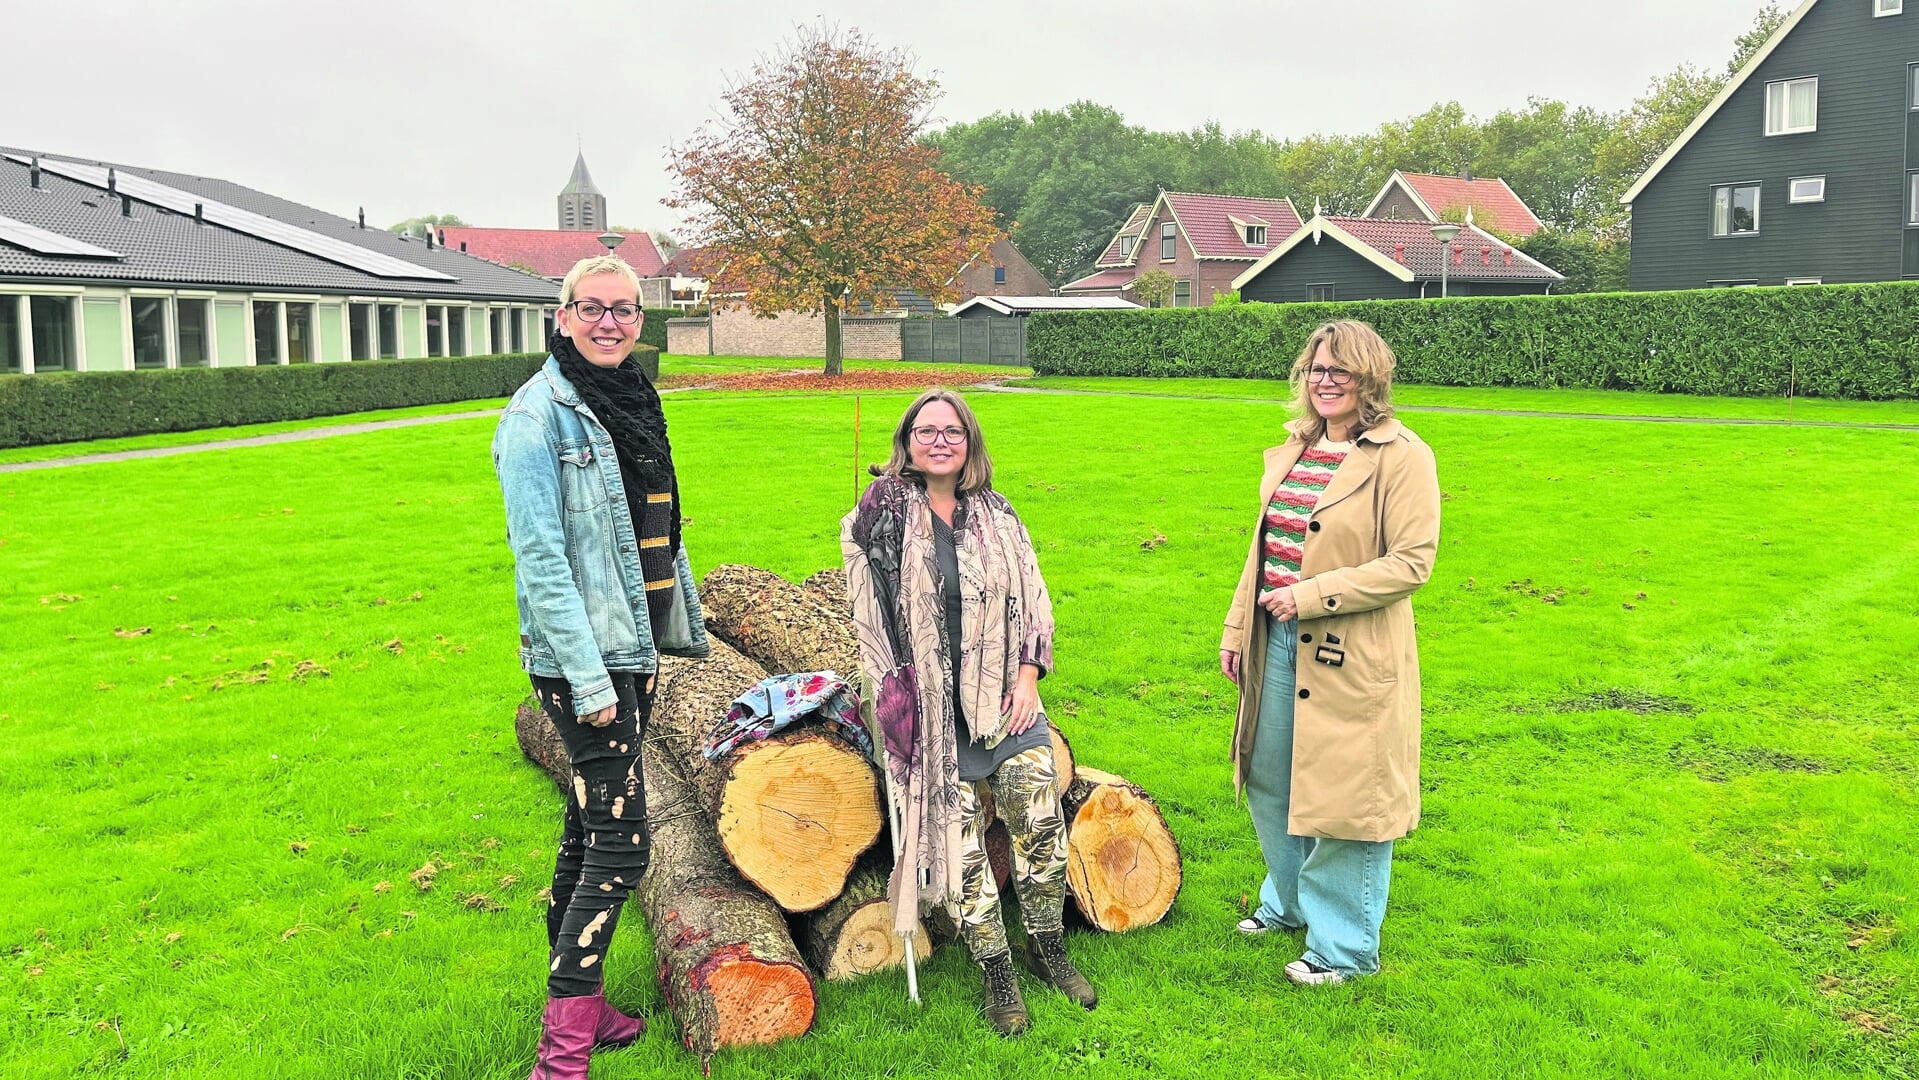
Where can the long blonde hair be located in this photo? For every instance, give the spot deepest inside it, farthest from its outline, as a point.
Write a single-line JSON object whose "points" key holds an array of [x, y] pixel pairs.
{"points": [[1358, 348], [975, 475]]}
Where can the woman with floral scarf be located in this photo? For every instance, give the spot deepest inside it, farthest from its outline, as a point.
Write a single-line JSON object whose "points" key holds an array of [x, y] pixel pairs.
{"points": [[955, 630]]}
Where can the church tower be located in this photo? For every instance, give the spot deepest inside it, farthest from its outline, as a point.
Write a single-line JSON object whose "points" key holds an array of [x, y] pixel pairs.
{"points": [[581, 204]]}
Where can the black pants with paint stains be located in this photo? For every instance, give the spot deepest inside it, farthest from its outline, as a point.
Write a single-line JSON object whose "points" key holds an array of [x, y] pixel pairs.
{"points": [[605, 846]]}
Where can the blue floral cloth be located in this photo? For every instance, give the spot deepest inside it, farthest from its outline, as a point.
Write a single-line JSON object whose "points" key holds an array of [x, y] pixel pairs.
{"points": [[780, 701]]}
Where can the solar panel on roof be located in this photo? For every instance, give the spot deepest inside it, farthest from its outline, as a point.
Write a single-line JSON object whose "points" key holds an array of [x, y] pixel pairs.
{"points": [[265, 228], [40, 241]]}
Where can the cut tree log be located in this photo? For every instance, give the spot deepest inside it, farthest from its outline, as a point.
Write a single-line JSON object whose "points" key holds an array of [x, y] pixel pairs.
{"points": [[1062, 759], [794, 811], [778, 623], [853, 935], [828, 588], [728, 966], [1122, 863]]}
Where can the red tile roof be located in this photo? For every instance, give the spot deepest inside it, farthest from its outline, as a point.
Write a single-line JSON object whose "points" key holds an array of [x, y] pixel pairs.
{"points": [[1134, 222], [1105, 279], [1207, 222], [1476, 255], [549, 252], [687, 262], [1495, 204]]}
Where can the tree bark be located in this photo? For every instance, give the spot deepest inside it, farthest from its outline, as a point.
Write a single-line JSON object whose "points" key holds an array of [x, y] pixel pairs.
{"points": [[828, 589], [1122, 862], [833, 364], [782, 625], [793, 811], [728, 967], [1062, 760], [853, 935]]}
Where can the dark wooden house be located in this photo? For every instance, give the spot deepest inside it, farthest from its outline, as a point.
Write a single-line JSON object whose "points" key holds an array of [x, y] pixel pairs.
{"points": [[1352, 258], [1804, 170]]}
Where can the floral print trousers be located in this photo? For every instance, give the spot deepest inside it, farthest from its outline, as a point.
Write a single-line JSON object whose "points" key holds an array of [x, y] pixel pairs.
{"points": [[1027, 798]]}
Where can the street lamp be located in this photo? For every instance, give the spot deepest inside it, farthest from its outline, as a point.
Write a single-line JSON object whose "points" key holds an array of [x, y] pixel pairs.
{"points": [[611, 239], [1444, 232]]}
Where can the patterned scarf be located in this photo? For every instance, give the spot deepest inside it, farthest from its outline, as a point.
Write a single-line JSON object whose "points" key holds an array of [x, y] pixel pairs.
{"points": [[895, 585], [629, 408]]}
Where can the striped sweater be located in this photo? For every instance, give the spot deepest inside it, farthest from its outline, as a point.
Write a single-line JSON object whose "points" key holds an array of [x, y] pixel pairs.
{"points": [[1283, 533]]}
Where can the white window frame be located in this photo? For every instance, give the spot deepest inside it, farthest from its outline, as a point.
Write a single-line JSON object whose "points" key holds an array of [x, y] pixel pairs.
{"points": [[1792, 189], [1332, 292], [1168, 238], [1912, 86], [1912, 198], [1125, 247], [1804, 281], [1883, 8], [1255, 236], [1785, 106]]}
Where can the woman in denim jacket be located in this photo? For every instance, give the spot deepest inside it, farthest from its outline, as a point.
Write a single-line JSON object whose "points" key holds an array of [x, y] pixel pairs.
{"points": [[603, 585]]}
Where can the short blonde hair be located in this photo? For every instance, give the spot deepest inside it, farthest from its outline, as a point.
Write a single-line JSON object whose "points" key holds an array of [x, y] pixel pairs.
{"points": [[597, 264], [1358, 348], [975, 475]]}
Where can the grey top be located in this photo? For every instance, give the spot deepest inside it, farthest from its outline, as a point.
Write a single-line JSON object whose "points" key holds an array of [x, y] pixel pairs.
{"points": [[977, 761]]}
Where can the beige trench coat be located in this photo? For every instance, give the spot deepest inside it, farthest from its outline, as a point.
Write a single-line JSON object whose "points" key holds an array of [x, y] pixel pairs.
{"points": [[1370, 545]]}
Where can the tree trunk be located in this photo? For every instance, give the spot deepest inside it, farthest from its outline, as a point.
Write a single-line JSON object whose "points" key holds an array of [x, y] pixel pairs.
{"points": [[833, 365], [728, 967], [1122, 863], [853, 935], [828, 589], [780, 624], [793, 811], [1062, 759]]}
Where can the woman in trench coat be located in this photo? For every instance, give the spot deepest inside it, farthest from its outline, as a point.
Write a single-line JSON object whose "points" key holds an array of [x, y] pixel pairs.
{"points": [[1320, 640]]}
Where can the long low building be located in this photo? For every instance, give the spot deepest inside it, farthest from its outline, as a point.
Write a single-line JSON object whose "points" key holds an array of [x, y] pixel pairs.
{"points": [[110, 267]]}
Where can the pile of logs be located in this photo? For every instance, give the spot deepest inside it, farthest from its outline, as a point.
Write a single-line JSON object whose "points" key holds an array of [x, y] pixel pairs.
{"points": [[769, 865]]}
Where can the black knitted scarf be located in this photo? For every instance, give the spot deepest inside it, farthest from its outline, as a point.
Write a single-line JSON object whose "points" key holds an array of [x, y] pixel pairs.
{"points": [[629, 408]]}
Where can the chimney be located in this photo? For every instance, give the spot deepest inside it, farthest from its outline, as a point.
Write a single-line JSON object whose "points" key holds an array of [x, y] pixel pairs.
{"points": [[362, 217], [1399, 254], [1509, 256], [126, 205], [429, 239], [199, 213], [1466, 174], [33, 173], [113, 181], [1459, 255], [1486, 256], [462, 247]]}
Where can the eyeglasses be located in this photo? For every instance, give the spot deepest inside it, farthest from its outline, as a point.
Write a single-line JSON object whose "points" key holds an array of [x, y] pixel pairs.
{"points": [[590, 310], [1338, 376], [926, 436]]}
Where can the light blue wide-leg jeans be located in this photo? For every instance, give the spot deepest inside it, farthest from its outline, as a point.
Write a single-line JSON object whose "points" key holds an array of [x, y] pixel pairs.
{"points": [[1336, 889]]}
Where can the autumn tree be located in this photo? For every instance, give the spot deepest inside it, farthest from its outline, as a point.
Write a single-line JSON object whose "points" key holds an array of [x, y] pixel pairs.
{"points": [[814, 192]]}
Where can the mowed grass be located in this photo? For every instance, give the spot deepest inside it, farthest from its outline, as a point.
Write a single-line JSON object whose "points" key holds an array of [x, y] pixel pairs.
{"points": [[1669, 764]]}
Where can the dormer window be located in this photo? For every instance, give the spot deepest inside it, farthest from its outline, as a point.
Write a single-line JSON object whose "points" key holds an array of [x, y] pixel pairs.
{"points": [[1125, 246], [1255, 236]]}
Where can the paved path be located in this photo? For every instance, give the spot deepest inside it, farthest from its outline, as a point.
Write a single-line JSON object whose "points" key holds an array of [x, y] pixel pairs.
{"points": [[1744, 421], [416, 421]]}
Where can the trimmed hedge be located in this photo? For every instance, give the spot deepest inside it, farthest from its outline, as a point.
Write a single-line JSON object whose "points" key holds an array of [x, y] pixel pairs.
{"points": [[58, 407], [1840, 341], [653, 326]]}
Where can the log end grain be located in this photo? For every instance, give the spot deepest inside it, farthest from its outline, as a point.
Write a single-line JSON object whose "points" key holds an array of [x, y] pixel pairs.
{"points": [[1122, 863], [796, 814], [756, 1002], [867, 944]]}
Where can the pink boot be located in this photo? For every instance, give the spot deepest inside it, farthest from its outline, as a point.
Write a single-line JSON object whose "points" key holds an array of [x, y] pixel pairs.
{"points": [[566, 1038], [615, 1028]]}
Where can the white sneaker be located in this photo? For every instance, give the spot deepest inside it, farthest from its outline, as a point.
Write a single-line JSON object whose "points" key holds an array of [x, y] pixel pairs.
{"points": [[1309, 974], [1252, 926]]}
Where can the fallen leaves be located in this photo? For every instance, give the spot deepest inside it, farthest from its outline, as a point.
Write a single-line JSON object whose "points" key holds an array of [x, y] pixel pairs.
{"points": [[383, 887], [307, 669], [298, 847], [423, 877], [481, 902], [61, 598], [1153, 543], [396, 647], [138, 631], [909, 379]]}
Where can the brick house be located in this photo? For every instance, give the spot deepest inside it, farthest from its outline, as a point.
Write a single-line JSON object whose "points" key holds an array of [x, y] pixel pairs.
{"points": [[1203, 241], [1422, 197], [1004, 272]]}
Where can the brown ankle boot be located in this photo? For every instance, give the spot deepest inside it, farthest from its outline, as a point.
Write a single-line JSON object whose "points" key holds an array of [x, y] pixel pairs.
{"points": [[1046, 955], [1005, 1009], [566, 1038]]}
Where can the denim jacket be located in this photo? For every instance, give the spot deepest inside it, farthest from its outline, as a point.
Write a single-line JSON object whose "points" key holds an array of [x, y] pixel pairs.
{"points": [[576, 563]]}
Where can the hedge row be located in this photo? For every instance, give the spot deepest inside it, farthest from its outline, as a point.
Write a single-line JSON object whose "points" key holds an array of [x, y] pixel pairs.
{"points": [[1841, 341], [36, 409], [653, 326]]}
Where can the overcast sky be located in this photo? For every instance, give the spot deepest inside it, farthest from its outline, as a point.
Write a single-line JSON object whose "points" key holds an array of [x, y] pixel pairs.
{"points": [[473, 107]]}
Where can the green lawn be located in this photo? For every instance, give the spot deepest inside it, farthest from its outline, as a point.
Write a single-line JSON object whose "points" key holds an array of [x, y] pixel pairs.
{"points": [[1669, 773]]}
